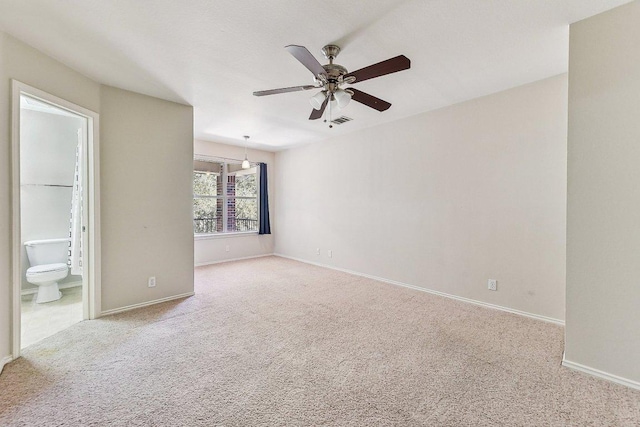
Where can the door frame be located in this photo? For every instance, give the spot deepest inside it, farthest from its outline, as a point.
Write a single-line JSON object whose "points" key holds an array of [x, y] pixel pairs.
{"points": [[91, 278]]}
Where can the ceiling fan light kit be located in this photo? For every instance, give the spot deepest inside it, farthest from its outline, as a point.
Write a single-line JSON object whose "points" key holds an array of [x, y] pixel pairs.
{"points": [[343, 97], [330, 78], [318, 99]]}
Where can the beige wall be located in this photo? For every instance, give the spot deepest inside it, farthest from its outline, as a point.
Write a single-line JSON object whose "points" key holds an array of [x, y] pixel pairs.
{"points": [[5, 212], [21, 62], [603, 228], [213, 249], [146, 163], [146, 203], [443, 200]]}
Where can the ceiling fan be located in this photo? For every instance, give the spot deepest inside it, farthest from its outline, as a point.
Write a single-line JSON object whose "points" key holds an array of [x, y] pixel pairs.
{"points": [[331, 77]]}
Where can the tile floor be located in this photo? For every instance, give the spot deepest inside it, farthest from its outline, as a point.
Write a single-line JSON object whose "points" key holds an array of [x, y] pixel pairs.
{"points": [[40, 321]]}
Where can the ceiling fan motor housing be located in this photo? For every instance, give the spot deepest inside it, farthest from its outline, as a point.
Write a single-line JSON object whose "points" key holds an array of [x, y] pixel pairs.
{"points": [[334, 76], [334, 72]]}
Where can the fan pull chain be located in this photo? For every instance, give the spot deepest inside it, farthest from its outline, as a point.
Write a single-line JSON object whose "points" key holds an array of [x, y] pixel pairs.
{"points": [[325, 113]]}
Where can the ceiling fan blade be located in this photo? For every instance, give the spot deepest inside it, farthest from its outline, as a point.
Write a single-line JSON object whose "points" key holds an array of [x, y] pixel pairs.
{"points": [[303, 55], [369, 100], [316, 114], [283, 90], [389, 66]]}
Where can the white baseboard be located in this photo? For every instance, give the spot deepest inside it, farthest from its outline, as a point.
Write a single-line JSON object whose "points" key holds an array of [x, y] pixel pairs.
{"points": [[430, 291], [61, 286], [202, 264], [4, 361], [600, 374], [145, 304]]}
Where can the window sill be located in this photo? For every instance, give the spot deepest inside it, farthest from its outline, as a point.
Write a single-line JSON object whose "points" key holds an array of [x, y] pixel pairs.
{"points": [[224, 235]]}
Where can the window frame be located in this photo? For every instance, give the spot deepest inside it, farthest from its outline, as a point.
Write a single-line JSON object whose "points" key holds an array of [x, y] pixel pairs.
{"points": [[225, 198]]}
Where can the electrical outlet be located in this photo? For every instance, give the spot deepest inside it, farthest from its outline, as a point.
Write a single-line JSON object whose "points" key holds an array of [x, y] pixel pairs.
{"points": [[492, 284], [152, 282], [329, 253], [226, 248], [318, 251]]}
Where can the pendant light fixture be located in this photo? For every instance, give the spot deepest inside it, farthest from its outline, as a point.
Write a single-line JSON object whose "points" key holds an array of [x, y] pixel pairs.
{"points": [[245, 162]]}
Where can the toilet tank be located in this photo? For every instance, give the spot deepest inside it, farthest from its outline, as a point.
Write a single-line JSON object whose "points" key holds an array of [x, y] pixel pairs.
{"points": [[48, 251]]}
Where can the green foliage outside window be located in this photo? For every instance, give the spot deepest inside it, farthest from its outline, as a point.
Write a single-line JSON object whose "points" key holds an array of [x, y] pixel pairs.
{"points": [[204, 184], [206, 201]]}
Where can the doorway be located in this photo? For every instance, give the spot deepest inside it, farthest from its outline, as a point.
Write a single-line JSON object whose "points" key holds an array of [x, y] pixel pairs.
{"points": [[55, 215]]}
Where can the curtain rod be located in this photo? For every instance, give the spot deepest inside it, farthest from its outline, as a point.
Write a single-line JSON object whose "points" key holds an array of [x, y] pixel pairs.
{"points": [[48, 185], [205, 158]]}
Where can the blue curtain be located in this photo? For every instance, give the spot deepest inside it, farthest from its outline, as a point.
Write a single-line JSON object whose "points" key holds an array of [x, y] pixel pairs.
{"points": [[264, 226]]}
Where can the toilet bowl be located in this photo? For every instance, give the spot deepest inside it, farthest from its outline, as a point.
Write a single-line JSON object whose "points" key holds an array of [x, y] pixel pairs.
{"points": [[48, 266], [46, 278]]}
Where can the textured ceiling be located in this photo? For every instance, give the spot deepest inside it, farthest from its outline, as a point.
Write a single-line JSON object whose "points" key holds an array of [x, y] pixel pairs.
{"points": [[214, 54]]}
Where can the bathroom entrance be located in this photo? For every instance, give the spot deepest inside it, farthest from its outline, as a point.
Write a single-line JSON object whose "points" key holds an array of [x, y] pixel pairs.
{"points": [[54, 184]]}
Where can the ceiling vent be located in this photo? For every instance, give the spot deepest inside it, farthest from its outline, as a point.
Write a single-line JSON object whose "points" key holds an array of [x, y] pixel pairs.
{"points": [[342, 119]]}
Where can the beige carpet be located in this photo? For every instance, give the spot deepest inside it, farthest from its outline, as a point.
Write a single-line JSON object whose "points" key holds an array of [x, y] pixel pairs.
{"points": [[273, 342]]}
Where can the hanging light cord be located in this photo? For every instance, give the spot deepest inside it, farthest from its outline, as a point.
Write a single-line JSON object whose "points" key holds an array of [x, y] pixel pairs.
{"points": [[245, 162]]}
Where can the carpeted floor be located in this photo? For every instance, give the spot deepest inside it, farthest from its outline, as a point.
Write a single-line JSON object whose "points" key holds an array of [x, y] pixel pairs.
{"points": [[273, 342]]}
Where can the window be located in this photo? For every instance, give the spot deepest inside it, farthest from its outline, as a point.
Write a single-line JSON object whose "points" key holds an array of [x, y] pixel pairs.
{"points": [[225, 197]]}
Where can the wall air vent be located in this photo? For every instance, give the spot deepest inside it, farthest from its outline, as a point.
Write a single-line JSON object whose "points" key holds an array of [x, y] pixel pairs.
{"points": [[342, 119]]}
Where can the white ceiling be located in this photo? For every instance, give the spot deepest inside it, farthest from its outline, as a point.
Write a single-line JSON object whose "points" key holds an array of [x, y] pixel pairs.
{"points": [[214, 54]]}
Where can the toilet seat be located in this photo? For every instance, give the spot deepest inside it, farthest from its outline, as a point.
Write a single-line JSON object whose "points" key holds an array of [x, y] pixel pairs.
{"points": [[46, 268]]}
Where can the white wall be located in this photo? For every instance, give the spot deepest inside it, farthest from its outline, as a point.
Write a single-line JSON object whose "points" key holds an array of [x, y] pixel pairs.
{"points": [[213, 249], [48, 144], [603, 228], [146, 199], [443, 200]]}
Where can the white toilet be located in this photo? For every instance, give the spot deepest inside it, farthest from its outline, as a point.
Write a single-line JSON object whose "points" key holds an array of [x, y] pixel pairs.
{"points": [[48, 260]]}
